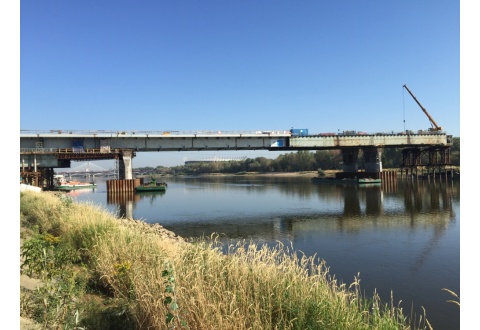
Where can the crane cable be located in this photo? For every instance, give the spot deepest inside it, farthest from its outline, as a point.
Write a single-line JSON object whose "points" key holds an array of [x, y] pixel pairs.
{"points": [[403, 90]]}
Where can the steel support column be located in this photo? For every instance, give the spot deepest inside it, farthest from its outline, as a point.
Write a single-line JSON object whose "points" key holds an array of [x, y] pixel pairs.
{"points": [[412, 159]]}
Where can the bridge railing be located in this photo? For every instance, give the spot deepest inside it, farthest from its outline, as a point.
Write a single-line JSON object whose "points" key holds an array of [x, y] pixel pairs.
{"points": [[66, 150], [113, 133], [163, 132]]}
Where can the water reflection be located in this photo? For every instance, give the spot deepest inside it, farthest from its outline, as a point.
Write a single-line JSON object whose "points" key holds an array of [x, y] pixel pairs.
{"points": [[126, 201], [251, 211]]}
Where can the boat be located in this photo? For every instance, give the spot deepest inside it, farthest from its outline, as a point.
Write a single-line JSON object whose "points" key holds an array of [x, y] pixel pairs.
{"points": [[356, 181], [369, 181], [152, 186], [60, 183]]}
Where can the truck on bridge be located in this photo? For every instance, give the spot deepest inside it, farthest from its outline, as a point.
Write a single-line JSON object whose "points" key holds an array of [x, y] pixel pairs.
{"points": [[299, 131]]}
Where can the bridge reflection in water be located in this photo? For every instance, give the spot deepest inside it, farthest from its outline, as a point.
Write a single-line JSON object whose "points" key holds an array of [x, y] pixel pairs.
{"points": [[408, 204], [126, 200]]}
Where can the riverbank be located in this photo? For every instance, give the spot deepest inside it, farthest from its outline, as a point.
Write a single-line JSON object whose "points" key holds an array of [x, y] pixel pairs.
{"points": [[303, 173], [134, 275], [307, 174]]}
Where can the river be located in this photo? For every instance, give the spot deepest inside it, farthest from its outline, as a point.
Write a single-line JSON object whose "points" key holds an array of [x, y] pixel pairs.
{"points": [[402, 237]]}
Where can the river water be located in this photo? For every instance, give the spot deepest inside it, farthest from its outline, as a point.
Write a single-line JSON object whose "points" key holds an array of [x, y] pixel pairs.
{"points": [[402, 237]]}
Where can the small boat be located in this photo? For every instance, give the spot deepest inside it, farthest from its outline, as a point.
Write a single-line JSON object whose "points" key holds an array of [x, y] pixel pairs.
{"points": [[369, 181], [356, 181], [61, 183], [152, 186]]}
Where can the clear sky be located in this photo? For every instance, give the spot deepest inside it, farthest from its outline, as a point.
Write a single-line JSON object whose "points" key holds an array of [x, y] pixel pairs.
{"points": [[327, 66]]}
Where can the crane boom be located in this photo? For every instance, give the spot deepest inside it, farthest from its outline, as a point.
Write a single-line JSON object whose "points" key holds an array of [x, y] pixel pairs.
{"points": [[434, 124]]}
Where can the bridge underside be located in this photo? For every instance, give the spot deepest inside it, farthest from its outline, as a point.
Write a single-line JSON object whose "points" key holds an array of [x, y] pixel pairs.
{"points": [[37, 168]]}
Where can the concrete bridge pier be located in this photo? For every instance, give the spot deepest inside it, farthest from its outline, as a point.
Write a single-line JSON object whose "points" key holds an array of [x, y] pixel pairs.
{"points": [[125, 165], [373, 159], [125, 184], [350, 160]]}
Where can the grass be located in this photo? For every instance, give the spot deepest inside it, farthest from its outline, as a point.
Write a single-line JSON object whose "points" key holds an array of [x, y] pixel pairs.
{"points": [[107, 273]]}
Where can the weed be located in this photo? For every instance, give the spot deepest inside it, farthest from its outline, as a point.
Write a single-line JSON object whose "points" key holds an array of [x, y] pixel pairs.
{"points": [[54, 302], [170, 299]]}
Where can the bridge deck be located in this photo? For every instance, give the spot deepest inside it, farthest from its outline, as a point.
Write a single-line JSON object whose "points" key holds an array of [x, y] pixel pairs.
{"points": [[37, 142]]}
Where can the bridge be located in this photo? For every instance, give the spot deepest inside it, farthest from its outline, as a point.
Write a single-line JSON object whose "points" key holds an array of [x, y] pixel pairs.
{"points": [[42, 151]]}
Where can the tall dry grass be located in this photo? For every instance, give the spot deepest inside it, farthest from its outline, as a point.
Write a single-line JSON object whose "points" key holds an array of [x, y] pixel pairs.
{"points": [[160, 283]]}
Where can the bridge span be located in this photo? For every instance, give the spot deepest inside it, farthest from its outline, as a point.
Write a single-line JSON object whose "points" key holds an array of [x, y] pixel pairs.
{"points": [[57, 148], [221, 140]]}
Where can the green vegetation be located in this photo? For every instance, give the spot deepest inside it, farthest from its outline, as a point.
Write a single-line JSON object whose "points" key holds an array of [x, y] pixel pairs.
{"points": [[100, 272], [290, 162]]}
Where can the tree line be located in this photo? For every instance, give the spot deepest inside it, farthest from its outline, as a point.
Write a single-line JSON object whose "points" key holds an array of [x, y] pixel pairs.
{"points": [[302, 160]]}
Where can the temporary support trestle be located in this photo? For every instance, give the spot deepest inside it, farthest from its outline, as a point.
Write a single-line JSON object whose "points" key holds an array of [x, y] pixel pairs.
{"points": [[42, 177], [433, 160]]}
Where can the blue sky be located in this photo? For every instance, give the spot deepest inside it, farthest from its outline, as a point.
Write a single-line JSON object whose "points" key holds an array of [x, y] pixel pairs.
{"points": [[327, 66]]}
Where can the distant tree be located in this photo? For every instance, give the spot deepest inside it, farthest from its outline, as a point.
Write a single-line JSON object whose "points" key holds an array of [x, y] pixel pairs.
{"points": [[392, 158], [265, 164], [455, 152], [305, 160], [282, 163], [328, 159]]}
